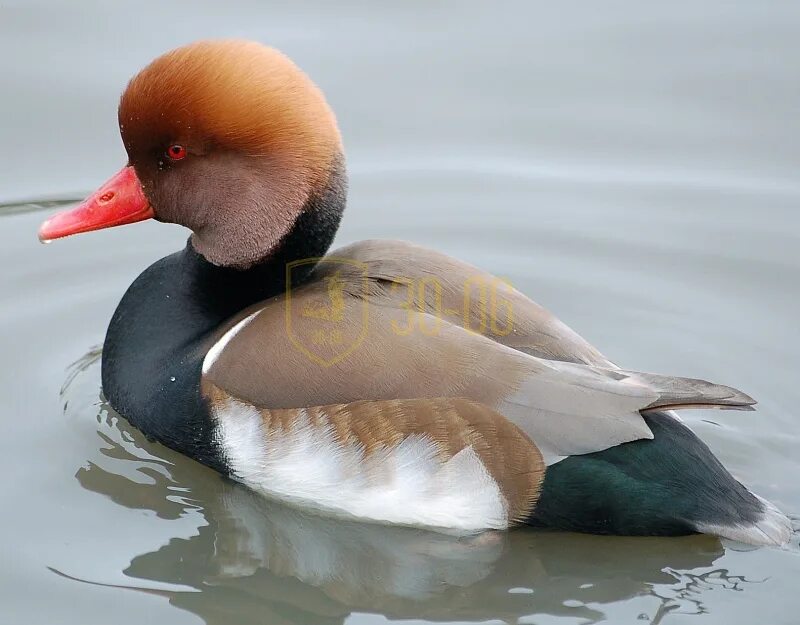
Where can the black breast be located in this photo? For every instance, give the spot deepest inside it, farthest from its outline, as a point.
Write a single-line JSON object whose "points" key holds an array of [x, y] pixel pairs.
{"points": [[166, 322]]}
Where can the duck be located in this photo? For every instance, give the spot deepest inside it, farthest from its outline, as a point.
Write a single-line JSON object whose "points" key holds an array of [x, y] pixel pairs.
{"points": [[381, 382]]}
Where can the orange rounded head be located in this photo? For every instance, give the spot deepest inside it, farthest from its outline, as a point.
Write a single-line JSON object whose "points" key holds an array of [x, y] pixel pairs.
{"points": [[227, 137]]}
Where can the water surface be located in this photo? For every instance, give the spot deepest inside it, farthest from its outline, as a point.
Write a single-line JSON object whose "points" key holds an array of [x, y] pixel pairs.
{"points": [[631, 167]]}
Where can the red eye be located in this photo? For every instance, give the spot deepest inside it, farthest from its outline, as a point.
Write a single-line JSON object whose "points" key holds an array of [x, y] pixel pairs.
{"points": [[176, 152]]}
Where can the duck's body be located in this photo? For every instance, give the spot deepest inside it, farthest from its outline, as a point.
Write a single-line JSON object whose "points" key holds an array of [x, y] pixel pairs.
{"points": [[385, 382], [164, 379]]}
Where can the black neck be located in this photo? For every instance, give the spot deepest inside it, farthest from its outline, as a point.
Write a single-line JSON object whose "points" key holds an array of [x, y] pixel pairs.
{"points": [[164, 325]]}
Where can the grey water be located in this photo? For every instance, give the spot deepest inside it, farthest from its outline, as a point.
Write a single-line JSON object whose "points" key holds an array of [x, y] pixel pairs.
{"points": [[631, 166]]}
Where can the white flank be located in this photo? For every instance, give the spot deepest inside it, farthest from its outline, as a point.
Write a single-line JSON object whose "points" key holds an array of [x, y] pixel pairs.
{"points": [[216, 348], [402, 485]]}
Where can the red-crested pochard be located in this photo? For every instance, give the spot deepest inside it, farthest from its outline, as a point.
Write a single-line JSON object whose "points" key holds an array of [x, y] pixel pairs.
{"points": [[385, 382]]}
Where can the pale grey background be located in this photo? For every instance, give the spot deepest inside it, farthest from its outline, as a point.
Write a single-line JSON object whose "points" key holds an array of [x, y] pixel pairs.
{"points": [[632, 166]]}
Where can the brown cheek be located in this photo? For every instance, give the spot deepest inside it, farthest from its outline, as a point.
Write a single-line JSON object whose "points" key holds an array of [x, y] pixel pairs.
{"points": [[158, 189], [189, 193]]}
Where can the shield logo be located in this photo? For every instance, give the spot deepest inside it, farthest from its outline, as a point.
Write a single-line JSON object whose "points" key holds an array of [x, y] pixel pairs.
{"points": [[327, 324]]}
